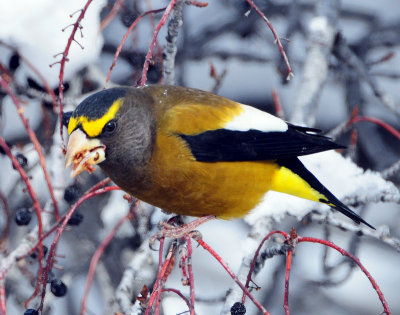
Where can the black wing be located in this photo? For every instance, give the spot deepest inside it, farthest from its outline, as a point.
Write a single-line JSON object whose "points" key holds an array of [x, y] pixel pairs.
{"points": [[255, 145]]}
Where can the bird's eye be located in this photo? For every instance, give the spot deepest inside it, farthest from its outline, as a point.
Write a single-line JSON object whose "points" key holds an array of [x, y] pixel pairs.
{"points": [[110, 127]]}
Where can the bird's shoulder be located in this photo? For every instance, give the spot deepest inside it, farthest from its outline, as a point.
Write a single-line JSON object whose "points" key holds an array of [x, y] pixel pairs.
{"points": [[187, 111]]}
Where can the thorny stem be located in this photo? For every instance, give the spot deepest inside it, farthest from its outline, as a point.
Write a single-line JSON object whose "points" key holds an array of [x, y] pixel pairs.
{"points": [[64, 59]]}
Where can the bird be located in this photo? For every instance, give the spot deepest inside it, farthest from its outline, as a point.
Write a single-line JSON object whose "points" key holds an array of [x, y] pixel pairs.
{"points": [[192, 152]]}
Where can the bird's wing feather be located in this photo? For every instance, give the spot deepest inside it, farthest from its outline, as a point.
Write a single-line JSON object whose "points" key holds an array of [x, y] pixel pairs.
{"points": [[255, 145]]}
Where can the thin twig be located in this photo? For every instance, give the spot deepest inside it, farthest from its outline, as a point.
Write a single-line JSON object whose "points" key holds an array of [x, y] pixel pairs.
{"points": [[99, 251], [52, 251], [277, 39], [36, 144], [154, 40], [357, 261], [124, 38], [64, 59], [233, 276]]}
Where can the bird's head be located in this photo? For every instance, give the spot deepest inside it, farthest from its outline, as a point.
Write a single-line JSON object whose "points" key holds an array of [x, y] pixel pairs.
{"points": [[114, 128]]}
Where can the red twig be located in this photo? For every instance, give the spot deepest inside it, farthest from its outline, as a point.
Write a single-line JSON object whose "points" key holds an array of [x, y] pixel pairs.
{"points": [[99, 251], [116, 7], [233, 276], [154, 40], [278, 106], [257, 253], [160, 275], [36, 206], [64, 59], [191, 277], [99, 185], [199, 4], [35, 143], [51, 255], [287, 275], [278, 41], [376, 121], [357, 261], [178, 293], [3, 308], [125, 37]]}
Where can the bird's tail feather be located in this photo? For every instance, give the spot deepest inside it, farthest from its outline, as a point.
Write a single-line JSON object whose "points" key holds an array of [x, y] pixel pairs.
{"points": [[295, 166]]}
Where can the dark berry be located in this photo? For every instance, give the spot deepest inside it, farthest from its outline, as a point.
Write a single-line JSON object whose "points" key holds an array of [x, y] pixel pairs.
{"points": [[66, 117], [238, 309], [2, 150], [75, 219], [31, 311], [71, 194], [58, 288], [22, 160], [34, 85], [14, 63], [35, 254], [23, 216]]}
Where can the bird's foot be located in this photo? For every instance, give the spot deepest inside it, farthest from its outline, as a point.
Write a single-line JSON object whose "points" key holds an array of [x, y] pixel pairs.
{"points": [[175, 229]]}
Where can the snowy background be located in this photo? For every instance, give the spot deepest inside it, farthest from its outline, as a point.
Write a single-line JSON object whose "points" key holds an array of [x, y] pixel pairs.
{"points": [[362, 71]]}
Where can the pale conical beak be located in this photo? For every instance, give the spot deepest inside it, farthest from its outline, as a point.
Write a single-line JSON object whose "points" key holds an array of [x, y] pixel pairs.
{"points": [[83, 153]]}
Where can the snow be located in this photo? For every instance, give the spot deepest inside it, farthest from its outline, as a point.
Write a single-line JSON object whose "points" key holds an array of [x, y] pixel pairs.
{"points": [[38, 35]]}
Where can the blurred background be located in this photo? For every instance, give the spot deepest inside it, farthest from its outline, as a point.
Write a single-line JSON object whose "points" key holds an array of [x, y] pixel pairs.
{"points": [[346, 64]]}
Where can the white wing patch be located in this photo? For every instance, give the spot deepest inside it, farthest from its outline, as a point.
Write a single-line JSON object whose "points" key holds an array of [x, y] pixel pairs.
{"points": [[253, 118]]}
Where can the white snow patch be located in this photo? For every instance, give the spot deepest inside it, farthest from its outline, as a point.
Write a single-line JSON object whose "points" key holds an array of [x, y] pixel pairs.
{"points": [[340, 175], [116, 208], [36, 31], [318, 24], [253, 118]]}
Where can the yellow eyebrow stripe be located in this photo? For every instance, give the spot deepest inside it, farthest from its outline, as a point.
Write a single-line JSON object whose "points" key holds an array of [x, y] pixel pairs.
{"points": [[93, 127]]}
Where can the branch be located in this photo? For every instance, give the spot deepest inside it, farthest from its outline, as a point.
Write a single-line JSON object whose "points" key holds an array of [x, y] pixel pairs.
{"points": [[321, 36], [174, 24]]}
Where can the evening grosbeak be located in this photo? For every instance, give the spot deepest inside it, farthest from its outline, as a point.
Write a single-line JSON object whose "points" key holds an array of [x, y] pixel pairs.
{"points": [[194, 153]]}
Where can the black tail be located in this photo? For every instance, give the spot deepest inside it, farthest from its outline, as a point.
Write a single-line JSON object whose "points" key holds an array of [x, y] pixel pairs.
{"points": [[295, 165]]}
